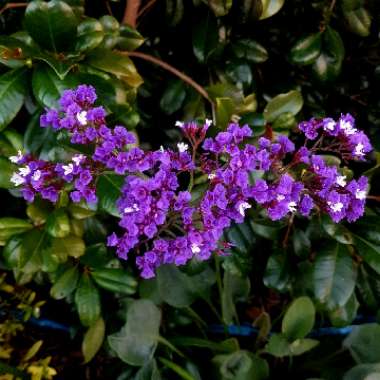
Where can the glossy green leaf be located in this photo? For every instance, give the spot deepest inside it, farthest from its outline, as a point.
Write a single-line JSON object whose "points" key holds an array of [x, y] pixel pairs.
{"points": [[12, 226], [344, 315], [61, 67], [363, 343], [93, 340], [225, 108], [90, 34], [358, 21], [136, 342], [116, 280], [111, 31], [368, 251], [58, 224], [108, 191], [276, 275], [363, 371], [130, 39], [115, 63], [334, 275], [220, 7], [48, 87], [299, 318], [337, 231], [65, 284], [300, 346], [173, 96], [251, 50], [285, 121], [306, 50], [270, 8], [6, 171], [69, 246], [205, 37], [12, 94], [87, 301], [53, 24], [278, 346], [290, 102]]}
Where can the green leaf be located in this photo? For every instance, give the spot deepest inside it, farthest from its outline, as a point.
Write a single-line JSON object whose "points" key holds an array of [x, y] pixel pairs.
{"points": [[242, 365], [270, 8], [48, 87], [93, 340], [363, 343], [276, 275], [130, 39], [35, 136], [358, 21], [328, 65], [278, 346], [300, 346], [65, 284], [12, 226], [205, 38], [115, 63], [108, 191], [363, 371], [6, 171], [136, 342], [285, 121], [306, 50], [225, 108], [235, 289], [369, 251], [87, 301], [291, 102], [23, 252], [251, 50], [58, 224], [111, 31], [299, 318], [344, 315], [61, 66], [149, 371], [70, 245], [53, 24], [90, 35], [12, 93], [227, 346], [173, 97], [334, 276], [220, 7], [337, 231], [116, 280]]}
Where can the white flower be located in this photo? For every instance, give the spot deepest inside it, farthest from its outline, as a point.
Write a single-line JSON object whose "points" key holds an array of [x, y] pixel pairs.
{"points": [[341, 180], [359, 150], [182, 147], [77, 159], [162, 150], [195, 248], [347, 128], [208, 122], [36, 175], [67, 169], [18, 158], [242, 207], [179, 124], [211, 176], [280, 197], [360, 194], [292, 206], [82, 117], [335, 207], [329, 126], [17, 179], [24, 171], [134, 208]]}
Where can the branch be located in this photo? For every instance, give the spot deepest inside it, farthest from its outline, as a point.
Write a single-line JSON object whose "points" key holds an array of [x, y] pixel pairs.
{"points": [[146, 7], [131, 11], [171, 69], [12, 5]]}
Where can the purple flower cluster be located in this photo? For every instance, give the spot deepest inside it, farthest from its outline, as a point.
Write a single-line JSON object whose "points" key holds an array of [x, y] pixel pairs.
{"points": [[160, 220]]}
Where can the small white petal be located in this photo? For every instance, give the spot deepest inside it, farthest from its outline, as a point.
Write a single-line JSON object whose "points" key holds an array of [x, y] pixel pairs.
{"points": [[162, 150], [36, 175], [347, 128], [341, 180], [292, 206], [329, 126], [182, 147], [335, 207], [134, 208], [17, 179], [18, 158], [179, 124], [68, 169], [280, 197], [195, 248], [242, 207], [360, 194], [359, 150], [77, 159], [24, 171], [82, 117], [208, 122], [211, 176]]}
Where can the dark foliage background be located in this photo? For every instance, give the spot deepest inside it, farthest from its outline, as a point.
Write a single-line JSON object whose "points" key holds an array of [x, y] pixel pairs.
{"points": [[296, 299]]}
